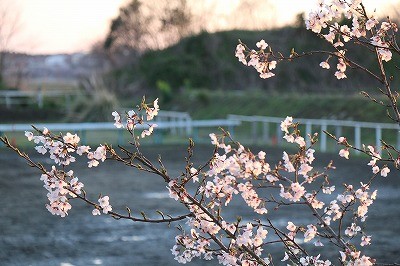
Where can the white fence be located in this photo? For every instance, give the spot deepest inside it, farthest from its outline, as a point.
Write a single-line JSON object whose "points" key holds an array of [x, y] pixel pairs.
{"points": [[334, 126], [263, 130], [188, 126], [182, 119], [11, 97]]}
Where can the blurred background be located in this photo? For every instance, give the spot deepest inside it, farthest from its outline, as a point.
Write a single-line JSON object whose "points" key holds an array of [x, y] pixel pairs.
{"points": [[77, 61], [181, 51]]}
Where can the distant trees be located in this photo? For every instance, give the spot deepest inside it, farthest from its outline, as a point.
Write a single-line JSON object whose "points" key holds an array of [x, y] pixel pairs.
{"points": [[144, 25], [9, 24], [156, 24]]}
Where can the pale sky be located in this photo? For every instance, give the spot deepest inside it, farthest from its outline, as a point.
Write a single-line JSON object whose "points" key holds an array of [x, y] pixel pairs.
{"points": [[65, 26], [62, 26]]}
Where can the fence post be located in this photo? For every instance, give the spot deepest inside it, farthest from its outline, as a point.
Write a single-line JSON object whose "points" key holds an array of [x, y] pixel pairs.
{"points": [[173, 129], [254, 131], [83, 137], [278, 134], [323, 136], [8, 102], [378, 137], [357, 136], [308, 132], [266, 132], [188, 126], [120, 137], [338, 131], [231, 129], [180, 127], [195, 135]]}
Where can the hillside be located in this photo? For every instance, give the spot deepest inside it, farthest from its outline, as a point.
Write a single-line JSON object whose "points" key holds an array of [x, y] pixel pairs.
{"points": [[205, 104], [207, 61]]}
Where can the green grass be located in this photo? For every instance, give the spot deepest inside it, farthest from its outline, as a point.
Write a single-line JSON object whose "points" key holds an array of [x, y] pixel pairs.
{"points": [[202, 104]]}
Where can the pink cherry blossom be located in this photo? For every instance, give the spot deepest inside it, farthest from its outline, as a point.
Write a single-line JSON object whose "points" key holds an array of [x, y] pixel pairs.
{"points": [[286, 123], [384, 171], [325, 64], [262, 45], [344, 153]]}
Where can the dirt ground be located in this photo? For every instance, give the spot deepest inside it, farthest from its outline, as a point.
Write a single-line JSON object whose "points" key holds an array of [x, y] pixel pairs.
{"points": [[32, 236]]}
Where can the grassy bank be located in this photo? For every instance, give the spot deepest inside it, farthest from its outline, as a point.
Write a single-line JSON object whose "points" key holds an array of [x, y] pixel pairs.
{"points": [[204, 104]]}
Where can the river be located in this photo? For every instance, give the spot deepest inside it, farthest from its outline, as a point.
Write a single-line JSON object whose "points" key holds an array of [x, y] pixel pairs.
{"points": [[32, 236]]}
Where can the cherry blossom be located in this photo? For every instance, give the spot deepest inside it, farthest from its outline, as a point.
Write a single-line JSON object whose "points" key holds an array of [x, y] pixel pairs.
{"points": [[152, 112], [286, 123], [384, 171], [149, 131], [310, 233], [29, 135], [293, 193], [288, 164], [71, 139], [325, 64], [96, 212], [365, 240], [262, 44], [117, 119], [344, 153], [105, 204], [352, 230], [240, 53], [363, 261]]}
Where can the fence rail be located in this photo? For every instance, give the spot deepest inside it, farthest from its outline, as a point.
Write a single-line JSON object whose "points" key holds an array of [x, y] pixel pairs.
{"points": [[323, 125], [190, 126], [11, 97], [181, 124], [110, 125]]}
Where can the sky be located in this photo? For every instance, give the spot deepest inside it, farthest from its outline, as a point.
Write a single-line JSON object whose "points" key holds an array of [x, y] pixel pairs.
{"points": [[66, 26], [62, 26]]}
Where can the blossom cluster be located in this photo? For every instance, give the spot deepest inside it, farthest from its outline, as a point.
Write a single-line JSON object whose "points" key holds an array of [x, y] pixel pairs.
{"points": [[61, 148], [60, 185], [194, 247], [366, 30], [134, 118], [362, 24], [232, 173], [204, 225], [104, 204], [310, 260], [371, 151], [375, 156], [235, 170], [260, 60]]}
